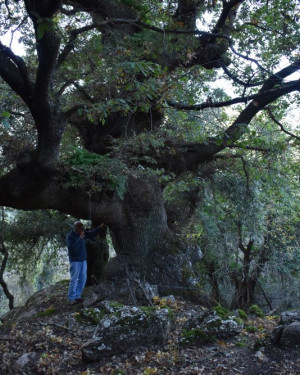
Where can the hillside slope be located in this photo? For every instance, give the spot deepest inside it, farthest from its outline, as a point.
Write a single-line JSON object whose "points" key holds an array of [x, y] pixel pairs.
{"points": [[45, 337]]}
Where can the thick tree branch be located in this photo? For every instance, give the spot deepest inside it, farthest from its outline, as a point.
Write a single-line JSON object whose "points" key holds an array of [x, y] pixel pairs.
{"points": [[267, 89], [42, 103], [67, 84], [133, 22], [189, 156], [290, 86], [73, 36], [237, 129], [210, 52], [42, 8], [186, 12], [228, 12], [103, 8], [41, 13], [13, 70], [176, 31], [277, 78]]}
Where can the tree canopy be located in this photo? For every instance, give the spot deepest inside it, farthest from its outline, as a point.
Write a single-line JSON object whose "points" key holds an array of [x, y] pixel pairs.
{"points": [[112, 103]]}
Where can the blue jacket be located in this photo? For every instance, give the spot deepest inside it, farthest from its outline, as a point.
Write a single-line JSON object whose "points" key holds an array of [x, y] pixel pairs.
{"points": [[76, 245]]}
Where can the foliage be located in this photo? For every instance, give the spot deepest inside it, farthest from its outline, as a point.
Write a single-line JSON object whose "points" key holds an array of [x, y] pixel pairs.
{"points": [[36, 245], [262, 203], [189, 95], [242, 314], [47, 312], [88, 170], [254, 309], [222, 312]]}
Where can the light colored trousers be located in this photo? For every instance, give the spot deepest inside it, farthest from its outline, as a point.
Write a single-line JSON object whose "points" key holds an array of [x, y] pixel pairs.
{"points": [[78, 279]]}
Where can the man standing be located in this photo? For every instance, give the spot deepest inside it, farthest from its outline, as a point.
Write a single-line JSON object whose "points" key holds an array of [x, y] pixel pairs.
{"points": [[77, 257]]}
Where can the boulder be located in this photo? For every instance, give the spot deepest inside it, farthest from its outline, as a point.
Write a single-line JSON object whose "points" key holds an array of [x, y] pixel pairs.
{"points": [[128, 329], [287, 333], [291, 335], [207, 326]]}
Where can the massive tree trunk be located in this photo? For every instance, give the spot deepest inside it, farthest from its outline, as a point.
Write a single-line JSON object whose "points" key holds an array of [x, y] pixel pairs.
{"points": [[146, 248]]}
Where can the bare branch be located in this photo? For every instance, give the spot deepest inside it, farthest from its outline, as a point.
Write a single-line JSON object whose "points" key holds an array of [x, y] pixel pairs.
{"points": [[280, 124], [84, 93], [64, 87], [251, 148], [225, 103], [239, 81], [247, 58]]}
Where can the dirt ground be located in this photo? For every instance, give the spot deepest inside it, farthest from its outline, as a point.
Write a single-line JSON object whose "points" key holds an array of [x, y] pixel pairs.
{"points": [[41, 338]]}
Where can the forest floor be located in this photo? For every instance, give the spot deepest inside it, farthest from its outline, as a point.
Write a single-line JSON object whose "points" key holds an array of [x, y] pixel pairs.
{"points": [[40, 338]]}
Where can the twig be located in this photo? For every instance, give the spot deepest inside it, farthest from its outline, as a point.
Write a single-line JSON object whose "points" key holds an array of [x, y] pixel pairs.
{"points": [[104, 307], [131, 292], [56, 325], [144, 292], [96, 330], [280, 124], [272, 311], [10, 339]]}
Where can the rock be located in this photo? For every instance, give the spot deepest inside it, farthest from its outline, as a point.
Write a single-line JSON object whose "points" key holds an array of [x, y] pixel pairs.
{"points": [[288, 317], [287, 334], [290, 336], [25, 359], [52, 296], [276, 334], [90, 297], [260, 356], [207, 326], [127, 330]]}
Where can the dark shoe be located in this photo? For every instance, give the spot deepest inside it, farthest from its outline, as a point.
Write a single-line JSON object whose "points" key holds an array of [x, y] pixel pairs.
{"points": [[72, 302], [79, 300]]}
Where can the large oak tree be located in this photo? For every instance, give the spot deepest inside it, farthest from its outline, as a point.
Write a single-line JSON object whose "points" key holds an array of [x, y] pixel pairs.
{"points": [[89, 111]]}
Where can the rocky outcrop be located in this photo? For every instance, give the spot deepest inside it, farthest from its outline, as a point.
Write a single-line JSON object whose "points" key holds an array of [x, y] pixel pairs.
{"points": [[126, 330], [207, 326], [287, 333]]}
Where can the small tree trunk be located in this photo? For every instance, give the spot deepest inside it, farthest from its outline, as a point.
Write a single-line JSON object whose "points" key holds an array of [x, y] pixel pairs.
{"points": [[97, 257], [4, 252], [244, 294]]}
